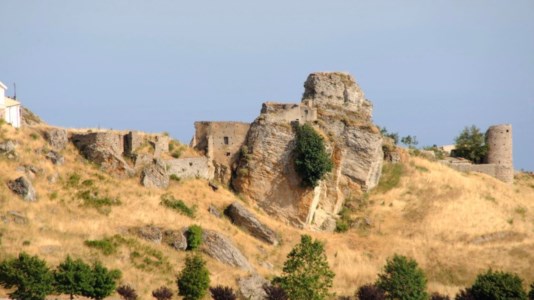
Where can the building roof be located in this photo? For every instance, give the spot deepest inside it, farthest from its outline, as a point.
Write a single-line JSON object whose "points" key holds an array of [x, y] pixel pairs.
{"points": [[11, 102], [3, 86]]}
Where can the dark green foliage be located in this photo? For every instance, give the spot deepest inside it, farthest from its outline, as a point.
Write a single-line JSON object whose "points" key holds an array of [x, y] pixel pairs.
{"points": [[102, 204], [531, 293], [393, 135], [306, 271], [194, 237], [107, 245], [410, 141], [169, 201], [162, 293], [402, 279], [29, 275], [370, 292], [194, 280], [312, 161], [471, 144], [103, 282], [72, 277], [498, 286], [127, 292], [275, 292], [222, 293], [464, 294], [438, 296]]}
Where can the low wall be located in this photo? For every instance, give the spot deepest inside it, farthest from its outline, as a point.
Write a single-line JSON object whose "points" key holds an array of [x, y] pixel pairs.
{"points": [[196, 167], [501, 172]]}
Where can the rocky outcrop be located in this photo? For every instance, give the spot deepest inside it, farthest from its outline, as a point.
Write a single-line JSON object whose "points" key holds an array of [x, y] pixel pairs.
{"points": [[149, 232], [7, 149], [55, 157], [176, 239], [251, 287], [223, 249], [241, 217], [24, 188], [15, 217], [57, 138], [336, 107], [155, 175]]}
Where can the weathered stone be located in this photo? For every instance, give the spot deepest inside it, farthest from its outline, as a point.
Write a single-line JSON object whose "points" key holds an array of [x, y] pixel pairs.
{"points": [[15, 217], [213, 186], [155, 175], [55, 157], [175, 239], [7, 147], [222, 249], [241, 217], [214, 211], [23, 187], [150, 233], [194, 167], [141, 160], [251, 287], [57, 138]]}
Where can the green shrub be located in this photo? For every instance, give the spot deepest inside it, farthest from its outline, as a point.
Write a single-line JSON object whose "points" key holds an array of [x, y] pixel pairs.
{"points": [[72, 277], [103, 282], [107, 246], [92, 199], [29, 275], [306, 274], [194, 279], [402, 279], [169, 201], [312, 161], [531, 293], [390, 178], [498, 286], [174, 177], [73, 180], [471, 144], [194, 237]]}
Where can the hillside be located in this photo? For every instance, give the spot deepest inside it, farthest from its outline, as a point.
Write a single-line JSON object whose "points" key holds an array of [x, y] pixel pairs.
{"points": [[455, 225]]}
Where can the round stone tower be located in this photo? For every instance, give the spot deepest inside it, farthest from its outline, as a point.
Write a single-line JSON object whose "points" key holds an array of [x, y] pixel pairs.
{"points": [[499, 141]]}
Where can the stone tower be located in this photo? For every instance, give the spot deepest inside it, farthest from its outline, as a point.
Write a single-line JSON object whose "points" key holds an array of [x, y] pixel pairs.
{"points": [[499, 141]]}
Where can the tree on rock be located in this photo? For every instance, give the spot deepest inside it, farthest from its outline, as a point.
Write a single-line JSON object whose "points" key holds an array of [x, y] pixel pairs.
{"points": [[312, 161], [72, 277], [402, 279], [471, 144], [306, 271], [194, 280], [29, 275]]}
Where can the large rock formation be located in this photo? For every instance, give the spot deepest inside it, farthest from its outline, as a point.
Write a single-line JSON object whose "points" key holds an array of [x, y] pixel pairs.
{"points": [[24, 188], [336, 107], [241, 217], [223, 249]]}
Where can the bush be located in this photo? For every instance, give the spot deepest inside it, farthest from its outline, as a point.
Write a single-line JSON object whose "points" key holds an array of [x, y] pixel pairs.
{"points": [[370, 292], [306, 271], [103, 282], [162, 293], [402, 279], [108, 246], [194, 237], [72, 277], [470, 144], [222, 293], [127, 292], [194, 280], [464, 294], [312, 161], [29, 275], [531, 293], [390, 178], [498, 286], [438, 296], [275, 292], [169, 201]]}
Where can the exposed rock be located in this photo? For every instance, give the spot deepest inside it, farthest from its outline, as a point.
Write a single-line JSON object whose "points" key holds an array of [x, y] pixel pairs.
{"points": [[149, 232], [499, 236], [155, 175], [23, 187], [15, 217], [223, 249], [8, 148], [57, 138], [52, 178], [251, 287], [329, 224], [213, 186], [245, 219], [214, 211], [175, 239], [28, 117], [141, 160], [55, 157]]}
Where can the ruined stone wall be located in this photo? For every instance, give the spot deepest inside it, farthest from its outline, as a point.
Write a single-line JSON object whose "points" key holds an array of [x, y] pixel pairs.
{"points": [[288, 112], [220, 140], [501, 172], [196, 167], [110, 140], [499, 141]]}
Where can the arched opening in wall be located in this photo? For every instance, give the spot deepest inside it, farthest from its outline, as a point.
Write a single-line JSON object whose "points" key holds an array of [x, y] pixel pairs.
{"points": [[507, 130], [226, 140]]}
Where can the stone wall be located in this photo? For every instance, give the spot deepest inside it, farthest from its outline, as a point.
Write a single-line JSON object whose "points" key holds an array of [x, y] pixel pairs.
{"points": [[110, 140], [288, 112], [196, 167], [501, 172], [499, 141]]}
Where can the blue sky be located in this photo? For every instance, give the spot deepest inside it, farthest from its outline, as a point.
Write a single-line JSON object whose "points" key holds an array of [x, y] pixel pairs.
{"points": [[429, 67]]}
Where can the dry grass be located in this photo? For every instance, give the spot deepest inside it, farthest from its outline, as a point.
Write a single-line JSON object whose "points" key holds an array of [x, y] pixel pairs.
{"points": [[433, 215]]}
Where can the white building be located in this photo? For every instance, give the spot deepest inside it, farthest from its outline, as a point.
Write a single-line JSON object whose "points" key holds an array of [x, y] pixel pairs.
{"points": [[9, 108]]}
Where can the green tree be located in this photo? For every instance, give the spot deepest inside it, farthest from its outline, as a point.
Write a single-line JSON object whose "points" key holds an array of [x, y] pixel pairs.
{"points": [[72, 277], [194, 280], [402, 279], [29, 274], [194, 237], [103, 282], [306, 271], [498, 286], [410, 141], [312, 161], [471, 144]]}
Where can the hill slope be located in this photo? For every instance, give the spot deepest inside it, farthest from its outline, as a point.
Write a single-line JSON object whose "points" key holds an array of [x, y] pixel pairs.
{"points": [[455, 225]]}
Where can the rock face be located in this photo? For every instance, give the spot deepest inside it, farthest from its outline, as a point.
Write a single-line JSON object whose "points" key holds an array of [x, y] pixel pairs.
{"points": [[241, 217], [7, 148], [23, 187], [251, 287], [55, 157], [222, 249], [150, 233], [336, 107], [155, 175], [57, 138], [175, 239]]}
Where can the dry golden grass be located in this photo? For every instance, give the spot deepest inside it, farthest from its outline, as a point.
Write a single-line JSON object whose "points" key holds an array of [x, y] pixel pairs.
{"points": [[433, 215]]}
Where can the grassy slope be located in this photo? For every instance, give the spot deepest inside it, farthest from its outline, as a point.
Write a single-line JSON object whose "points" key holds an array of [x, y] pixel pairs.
{"points": [[432, 215]]}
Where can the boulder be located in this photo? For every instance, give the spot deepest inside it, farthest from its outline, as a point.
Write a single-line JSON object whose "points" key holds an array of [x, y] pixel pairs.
{"points": [[7, 148], [24, 188], [150, 233], [251, 287], [55, 157], [241, 217], [222, 249], [15, 217], [175, 239], [214, 211], [155, 175], [57, 138]]}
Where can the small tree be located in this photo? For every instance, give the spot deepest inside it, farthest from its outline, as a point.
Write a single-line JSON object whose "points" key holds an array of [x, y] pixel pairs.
{"points": [[162, 293], [464, 294], [29, 274], [194, 280], [194, 237], [370, 292], [103, 282], [72, 277], [531, 293], [222, 293], [410, 141], [306, 271], [471, 144], [274, 292], [403, 279], [127, 292], [312, 161], [498, 286]]}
